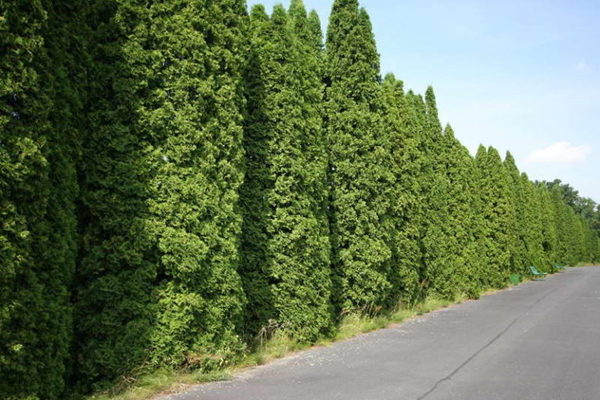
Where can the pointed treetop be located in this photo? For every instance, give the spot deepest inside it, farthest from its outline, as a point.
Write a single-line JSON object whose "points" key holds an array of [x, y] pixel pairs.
{"points": [[494, 154], [509, 158], [430, 98], [511, 165], [344, 5], [365, 19], [297, 9], [432, 111], [259, 13], [316, 33], [481, 151], [370, 49], [448, 131], [306, 27], [389, 77], [391, 83], [352, 58], [279, 15], [344, 14], [298, 18]]}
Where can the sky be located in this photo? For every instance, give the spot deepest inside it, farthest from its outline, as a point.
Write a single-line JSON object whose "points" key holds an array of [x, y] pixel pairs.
{"points": [[519, 75]]}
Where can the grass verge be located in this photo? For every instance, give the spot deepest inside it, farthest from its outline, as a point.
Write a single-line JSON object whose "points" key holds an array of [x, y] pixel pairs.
{"points": [[162, 382]]}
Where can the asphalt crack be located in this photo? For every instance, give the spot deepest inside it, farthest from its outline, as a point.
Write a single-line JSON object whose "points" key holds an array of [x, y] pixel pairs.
{"points": [[487, 345]]}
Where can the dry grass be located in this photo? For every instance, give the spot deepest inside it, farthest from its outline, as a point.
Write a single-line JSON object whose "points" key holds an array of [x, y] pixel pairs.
{"points": [[161, 382]]}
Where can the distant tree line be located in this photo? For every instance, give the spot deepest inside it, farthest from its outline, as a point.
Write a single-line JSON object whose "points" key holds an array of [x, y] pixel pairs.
{"points": [[179, 176]]}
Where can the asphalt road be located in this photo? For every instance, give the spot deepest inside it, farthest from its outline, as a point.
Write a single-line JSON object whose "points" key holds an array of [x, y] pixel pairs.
{"points": [[540, 340]]}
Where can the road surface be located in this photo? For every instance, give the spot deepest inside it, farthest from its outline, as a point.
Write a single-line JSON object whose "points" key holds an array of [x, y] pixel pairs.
{"points": [[537, 341]]}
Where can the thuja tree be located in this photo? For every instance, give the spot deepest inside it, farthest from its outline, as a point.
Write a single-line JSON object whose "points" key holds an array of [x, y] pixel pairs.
{"points": [[497, 215], [157, 279], [359, 162], [561, 222], [439, 242], [37, 190], [118, 264], [403, 129], [192, 116], [418, 123], [461, 217], [285, 242], [24, 187], [517, 197], [548, 222], [67, 47], [535, 226]]}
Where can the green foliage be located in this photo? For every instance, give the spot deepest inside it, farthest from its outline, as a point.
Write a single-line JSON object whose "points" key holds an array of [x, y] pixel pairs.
{"points": [[439, 240], [285, 241], [462, 220], [178, 179], [39, 122], [402, 129], [117, 271], [193, 119], [359, 162], [498, 220], [516, 193], [161, 176]]}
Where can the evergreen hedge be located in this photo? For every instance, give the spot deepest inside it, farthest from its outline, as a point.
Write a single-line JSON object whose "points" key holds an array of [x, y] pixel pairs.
{"points": [[179, 178]]}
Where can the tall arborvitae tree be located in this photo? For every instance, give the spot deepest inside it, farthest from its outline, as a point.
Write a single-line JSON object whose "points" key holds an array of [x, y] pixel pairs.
{"points": [[285, 240], [66, 44], [418, 122], [516, 194], [315, 34], [193, 117], [359, 161], [24, 186], [158, 280], [461, 217], [311, 196], [561, 222], [532, 221], [39, 106], [118, 267], [24, 126], [257, 180], [548, 223], [402, 127], [440, 251], [497, 215]]}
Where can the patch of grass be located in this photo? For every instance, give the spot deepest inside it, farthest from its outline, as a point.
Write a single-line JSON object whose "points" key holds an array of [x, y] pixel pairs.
{"points": [[161, 381], [356, 324], [582, 264], [279, 345]]}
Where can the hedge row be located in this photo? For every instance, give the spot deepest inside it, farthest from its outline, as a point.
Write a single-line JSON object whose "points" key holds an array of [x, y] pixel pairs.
{"points": [[179, 177]]}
